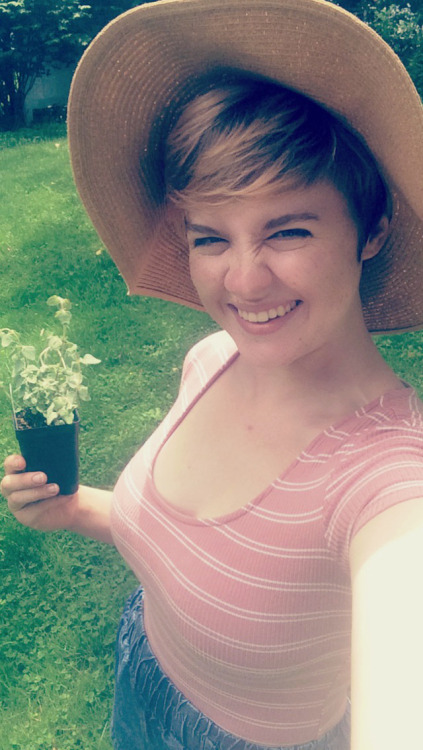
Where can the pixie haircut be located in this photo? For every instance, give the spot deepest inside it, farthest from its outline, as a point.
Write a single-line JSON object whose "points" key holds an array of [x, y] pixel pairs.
{"points": [[250, 138]]}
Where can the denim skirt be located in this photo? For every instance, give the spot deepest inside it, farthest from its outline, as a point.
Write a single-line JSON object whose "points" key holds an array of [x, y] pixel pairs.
{"points": [[150, 713]]}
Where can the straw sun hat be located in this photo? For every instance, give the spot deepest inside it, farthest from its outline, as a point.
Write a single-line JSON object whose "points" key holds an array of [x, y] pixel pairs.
{"points": [[139, 71]]}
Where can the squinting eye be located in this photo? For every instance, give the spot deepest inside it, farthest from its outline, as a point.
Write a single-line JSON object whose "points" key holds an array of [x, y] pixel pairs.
{"points": [[208, 245], [288, 233], [205, 241]]}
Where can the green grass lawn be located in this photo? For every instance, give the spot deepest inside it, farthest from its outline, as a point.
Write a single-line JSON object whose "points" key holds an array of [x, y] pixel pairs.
{"points": [[61, 596]]}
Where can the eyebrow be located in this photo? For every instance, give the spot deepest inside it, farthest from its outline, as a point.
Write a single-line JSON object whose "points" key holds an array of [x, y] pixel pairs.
{"points": [[272, 224], [199, 228], [288, 218]]}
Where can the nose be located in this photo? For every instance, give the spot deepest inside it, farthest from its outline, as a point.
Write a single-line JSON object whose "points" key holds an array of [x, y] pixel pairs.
{"points": [[248, 276]]}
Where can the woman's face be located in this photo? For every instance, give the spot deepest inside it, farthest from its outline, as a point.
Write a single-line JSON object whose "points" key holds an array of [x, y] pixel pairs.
{"points": [[280, 273]]}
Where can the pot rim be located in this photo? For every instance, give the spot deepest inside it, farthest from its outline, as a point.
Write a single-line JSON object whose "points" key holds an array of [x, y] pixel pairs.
{"points": [[76, 421]]}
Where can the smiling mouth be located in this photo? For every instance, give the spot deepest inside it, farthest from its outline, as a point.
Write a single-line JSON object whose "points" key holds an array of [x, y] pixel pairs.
{"points": [[263, 316]]}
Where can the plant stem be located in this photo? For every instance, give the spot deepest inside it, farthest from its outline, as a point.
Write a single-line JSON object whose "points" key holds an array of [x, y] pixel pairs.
{"points": [[13, 406]]}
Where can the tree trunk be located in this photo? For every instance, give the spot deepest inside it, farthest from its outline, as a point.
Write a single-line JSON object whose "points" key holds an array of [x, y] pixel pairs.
{"points": [[12, 101]]}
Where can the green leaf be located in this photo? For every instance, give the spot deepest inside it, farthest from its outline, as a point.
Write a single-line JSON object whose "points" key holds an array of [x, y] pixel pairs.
{"points": [[74, 380], [88, 359], [29, 352], [64, 317], [6, 339], [51, 414], [83, 393], [56, 301], [60, 402], [54, 342], [68, 418]]}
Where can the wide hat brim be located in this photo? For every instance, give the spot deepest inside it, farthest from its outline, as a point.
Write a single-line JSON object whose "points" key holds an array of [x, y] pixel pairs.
{"points": [[139, 71]]}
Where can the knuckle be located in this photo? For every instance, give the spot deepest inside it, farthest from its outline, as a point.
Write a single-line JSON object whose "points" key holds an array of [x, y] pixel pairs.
{"points": [[13, 464], [5, 485]]}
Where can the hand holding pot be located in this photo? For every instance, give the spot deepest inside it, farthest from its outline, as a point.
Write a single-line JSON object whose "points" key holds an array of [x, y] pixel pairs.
{"points": [[33, 501], [36, 503]]}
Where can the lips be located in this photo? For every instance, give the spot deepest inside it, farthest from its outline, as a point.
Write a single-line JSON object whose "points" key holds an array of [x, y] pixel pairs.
{"points": [[263, 316]]}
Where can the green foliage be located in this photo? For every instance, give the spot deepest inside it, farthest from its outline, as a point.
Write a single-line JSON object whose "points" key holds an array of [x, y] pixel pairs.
{"points": [[33, 35], [397, 24], [48, 382], [36, 35], [400, 25]]}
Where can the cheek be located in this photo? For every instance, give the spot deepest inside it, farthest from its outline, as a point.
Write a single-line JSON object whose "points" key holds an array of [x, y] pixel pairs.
{"points": [[195, 271], [338, 282], [205, 274], [337, 261]]}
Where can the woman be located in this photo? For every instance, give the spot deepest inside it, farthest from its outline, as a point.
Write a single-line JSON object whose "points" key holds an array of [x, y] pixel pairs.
{"points": [[275, 517]]}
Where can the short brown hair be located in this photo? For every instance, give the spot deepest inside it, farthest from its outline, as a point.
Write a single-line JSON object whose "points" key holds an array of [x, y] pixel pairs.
{"points": [[252, 136]]}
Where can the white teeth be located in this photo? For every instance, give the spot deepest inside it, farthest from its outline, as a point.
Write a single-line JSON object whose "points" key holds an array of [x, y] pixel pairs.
{"points": [[264, 315]]}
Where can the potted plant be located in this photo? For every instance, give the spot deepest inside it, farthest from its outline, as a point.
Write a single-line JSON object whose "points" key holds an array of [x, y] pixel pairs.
{"points": [[46, 387]]}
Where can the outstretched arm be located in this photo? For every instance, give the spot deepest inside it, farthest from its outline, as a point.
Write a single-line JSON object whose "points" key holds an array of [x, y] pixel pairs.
{"points": [[37, 504], [387, 639]]}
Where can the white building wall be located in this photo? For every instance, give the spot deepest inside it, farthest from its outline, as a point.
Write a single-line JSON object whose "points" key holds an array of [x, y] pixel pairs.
{"points": [[48, 91]]}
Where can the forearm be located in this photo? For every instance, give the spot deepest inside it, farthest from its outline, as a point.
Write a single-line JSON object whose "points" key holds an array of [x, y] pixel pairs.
{"points": [[92, 516]]}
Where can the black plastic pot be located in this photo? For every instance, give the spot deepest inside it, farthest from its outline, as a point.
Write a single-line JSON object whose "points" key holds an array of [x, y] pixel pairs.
{"points": [[54, 450]]}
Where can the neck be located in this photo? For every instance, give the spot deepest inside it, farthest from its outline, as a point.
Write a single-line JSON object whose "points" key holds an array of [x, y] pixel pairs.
{"points": [[342, 379]]}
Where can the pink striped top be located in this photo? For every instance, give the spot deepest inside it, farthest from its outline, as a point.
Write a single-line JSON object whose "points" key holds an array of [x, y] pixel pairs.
{"points": [[250, 614]]}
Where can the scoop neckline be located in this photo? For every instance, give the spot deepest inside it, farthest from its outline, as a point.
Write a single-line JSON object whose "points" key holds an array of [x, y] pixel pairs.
{"points": [[184, 516]]}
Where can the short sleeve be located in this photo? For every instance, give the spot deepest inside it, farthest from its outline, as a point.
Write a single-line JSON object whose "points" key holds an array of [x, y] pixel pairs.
{"points": [[205, 359], [375, 471]]}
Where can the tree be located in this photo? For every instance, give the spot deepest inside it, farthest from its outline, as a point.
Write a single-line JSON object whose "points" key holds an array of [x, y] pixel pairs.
{"points": [[38, 34], [34, 34], [101, 13], [400, 25]]}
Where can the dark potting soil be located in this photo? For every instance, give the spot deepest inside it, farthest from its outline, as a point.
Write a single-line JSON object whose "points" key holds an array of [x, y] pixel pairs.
{"points": [[26, 418]]}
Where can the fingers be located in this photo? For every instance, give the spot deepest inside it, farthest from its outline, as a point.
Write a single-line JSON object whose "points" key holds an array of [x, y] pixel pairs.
{"points": [[21, 489], [18, 497], [14, 463], [33, 501]]}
